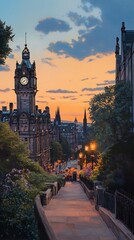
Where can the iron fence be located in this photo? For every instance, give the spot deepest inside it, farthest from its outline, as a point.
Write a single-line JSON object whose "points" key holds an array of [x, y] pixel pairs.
{"points": [[124, 210], [109, 201], [121, 204]]}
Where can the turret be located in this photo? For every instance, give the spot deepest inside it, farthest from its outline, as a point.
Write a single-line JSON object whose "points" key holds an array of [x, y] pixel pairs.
{"points": [[117, 56]]}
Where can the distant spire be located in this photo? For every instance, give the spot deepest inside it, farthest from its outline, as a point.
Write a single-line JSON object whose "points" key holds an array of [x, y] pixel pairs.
{"points": [[123, 27], [75, 120], [25, 52], [57, 119], [25, 39], [85, 123]]}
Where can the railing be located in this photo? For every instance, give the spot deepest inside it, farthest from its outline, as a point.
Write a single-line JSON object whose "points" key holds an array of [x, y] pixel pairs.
{"points": [[119, 204], [109, 201], [125, 210], [88, 183], [44, 229]]}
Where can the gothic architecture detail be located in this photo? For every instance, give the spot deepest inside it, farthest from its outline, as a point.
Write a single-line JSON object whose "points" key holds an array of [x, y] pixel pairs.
{"points": [[25, 83], [85, 124], [125, 62], [27, 120]]}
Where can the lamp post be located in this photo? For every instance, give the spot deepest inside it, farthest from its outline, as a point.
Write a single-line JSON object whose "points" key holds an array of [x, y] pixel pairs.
{"points": [[92, 148], [81, 159], [86, 150]]}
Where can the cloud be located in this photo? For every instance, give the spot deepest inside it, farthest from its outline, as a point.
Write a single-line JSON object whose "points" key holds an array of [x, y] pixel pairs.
{"points": [[38, 101], [41, 96], [4, 68], [106, 82], [67, 97], [79, 20], [93, 89], [111, 71], [52, 98], [60, 91], [93, 11], [85, 46], [88, 94], [84, 79], [90, 60], [73, 99], [17, 49], [11, 56], [97, 28], [5, 90], [3, 102], [48, 25], [48, 61], [86, 101]]}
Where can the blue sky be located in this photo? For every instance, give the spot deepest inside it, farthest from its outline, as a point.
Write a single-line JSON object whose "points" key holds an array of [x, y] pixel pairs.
{"points": [[74, 31]]}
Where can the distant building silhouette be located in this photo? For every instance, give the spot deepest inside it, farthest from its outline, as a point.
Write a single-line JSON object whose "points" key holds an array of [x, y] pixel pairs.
{"points": [[85, 124], [57, 120]]}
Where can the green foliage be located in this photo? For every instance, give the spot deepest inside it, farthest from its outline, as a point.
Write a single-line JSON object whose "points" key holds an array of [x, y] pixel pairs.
{"points": [[101, 113], [38, 180], [17, 219], [111, 127], [6, 34], [19, 188], [56, 151], [13, 152], [115, 167], [21, 180], [11, 148], [66, 149], [110, 115]]}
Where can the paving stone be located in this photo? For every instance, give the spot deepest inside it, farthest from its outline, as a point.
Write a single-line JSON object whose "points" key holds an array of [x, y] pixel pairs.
{"points": [[72, 216]]}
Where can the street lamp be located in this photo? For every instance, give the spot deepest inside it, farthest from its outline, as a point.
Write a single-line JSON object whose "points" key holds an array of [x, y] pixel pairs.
{"points": [[81, 159], [92, 148], [86, 150]]}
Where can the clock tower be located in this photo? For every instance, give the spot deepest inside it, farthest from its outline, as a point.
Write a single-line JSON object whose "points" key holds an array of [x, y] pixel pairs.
{"points": [[32, 125], [25, 83]]}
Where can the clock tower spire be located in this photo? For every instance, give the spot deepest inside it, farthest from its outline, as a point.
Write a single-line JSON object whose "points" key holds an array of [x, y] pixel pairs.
{"points": [[25, 83]]}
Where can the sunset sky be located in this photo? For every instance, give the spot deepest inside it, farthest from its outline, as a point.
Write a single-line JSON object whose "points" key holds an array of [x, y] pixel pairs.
{"points": [[72, 43]]}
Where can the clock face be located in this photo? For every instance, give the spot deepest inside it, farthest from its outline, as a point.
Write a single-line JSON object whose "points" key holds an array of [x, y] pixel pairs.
{"points": [[24, 80]]}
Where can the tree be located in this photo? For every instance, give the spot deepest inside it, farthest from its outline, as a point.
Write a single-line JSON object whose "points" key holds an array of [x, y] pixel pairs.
{"points": [[21, 179], [111, 126], [110, 115], [6, 34], [101, 113], [13, 152], [65, 148], [56, 151], [12, 149]]}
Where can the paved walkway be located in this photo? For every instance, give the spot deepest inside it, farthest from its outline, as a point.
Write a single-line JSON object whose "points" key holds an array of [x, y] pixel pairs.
{"points": [[72, 216]]}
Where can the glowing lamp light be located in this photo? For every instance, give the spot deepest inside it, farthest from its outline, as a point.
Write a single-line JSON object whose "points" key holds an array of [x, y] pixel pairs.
{"points": [[92, 146], [86, 148], [80, 155]]}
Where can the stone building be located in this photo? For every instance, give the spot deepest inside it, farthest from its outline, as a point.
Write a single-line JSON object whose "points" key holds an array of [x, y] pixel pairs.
{"points": [[32, 124], [125, 62]]}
